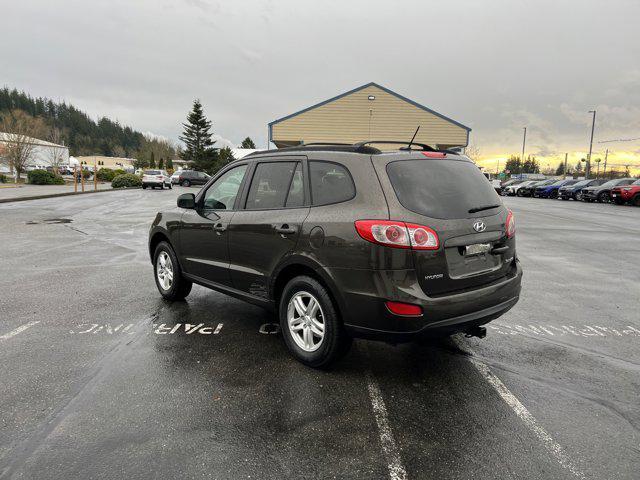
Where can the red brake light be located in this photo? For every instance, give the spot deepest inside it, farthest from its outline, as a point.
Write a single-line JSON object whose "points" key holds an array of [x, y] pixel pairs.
{"points": [[434, 154], [510, 225], [398, 234], [404, 309]]}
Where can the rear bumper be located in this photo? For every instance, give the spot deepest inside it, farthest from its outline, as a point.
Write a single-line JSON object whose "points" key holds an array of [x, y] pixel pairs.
{"points": [[366, 316]]}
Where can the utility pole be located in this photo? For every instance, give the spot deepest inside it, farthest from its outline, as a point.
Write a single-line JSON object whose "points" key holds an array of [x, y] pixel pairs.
{"points": [[566, 155], [524, 141], [604, 172], [593, 127]]}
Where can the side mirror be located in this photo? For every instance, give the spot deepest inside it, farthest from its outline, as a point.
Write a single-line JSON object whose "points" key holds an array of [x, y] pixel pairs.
{"points": [[187, 200]]}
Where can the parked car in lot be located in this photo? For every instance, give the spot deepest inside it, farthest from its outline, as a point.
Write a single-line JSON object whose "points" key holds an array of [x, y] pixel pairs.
{"points": [[627, 194], [346, 241], [602, 193], [567, 192], [186, 178], [551, 191], [512, 190], [529, 189], [156, 178], [509, 183]]}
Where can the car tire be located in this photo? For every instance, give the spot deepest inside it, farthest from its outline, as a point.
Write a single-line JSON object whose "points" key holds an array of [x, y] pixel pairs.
{"points": [[144, 187], [186, 183], [604, 197], [553, 195], [170, 282], [300, 333], [636, 200], [619, 201], [170, 186], [162, 186]]}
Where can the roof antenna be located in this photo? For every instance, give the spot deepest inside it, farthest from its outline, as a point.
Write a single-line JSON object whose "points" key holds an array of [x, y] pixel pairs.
{"points": [[413, 138]]}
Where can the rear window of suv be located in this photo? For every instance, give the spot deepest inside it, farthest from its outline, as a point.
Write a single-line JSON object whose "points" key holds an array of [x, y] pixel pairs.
{"points": [[441, 188]]}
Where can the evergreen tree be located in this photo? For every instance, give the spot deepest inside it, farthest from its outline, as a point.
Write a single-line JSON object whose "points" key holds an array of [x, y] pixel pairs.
{"points": [[169, 164], [152, 161], [197, 139], [226, 155], [161, 163], [247, 143], [560, 169]]}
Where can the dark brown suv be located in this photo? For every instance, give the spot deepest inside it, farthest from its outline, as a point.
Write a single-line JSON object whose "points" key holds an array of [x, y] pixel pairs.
{"points": [[346, 241]]}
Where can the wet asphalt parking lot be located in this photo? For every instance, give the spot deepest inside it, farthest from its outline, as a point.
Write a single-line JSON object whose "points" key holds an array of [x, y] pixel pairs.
{"points": [[100, 378]]}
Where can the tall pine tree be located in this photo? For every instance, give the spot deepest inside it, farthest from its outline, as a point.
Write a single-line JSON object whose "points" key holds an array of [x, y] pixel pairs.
{"points": [[247, 143], [197, 139]]}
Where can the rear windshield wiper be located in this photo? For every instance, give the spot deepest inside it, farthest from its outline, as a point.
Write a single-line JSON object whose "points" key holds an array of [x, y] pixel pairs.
{"points": [[479, 209]]}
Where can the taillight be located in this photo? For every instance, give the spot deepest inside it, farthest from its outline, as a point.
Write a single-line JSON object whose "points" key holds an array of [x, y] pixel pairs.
{"points": [[510, 225], [398, 234], [159, 177], [404, 309]]}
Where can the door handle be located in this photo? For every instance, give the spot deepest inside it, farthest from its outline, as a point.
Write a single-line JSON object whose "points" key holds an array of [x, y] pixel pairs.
{"points": [[286, 229], [219, 228]]}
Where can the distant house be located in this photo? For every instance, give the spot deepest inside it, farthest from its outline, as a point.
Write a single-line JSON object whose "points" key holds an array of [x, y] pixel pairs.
{"points": [[114, 163], [369, 112], [41, 155]]}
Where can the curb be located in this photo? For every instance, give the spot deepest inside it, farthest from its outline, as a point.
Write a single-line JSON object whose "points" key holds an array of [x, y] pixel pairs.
{"points": [[65, 194]]}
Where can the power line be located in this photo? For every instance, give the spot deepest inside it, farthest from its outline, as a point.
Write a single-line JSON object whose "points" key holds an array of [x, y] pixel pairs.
{"points": [[620, 140]]}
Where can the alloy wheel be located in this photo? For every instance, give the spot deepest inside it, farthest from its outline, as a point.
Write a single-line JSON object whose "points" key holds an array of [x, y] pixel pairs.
{"points": [[306, 321], [164, 270]]}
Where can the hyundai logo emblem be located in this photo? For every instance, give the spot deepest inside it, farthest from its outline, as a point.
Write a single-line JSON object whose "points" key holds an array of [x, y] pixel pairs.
{"points": [[479, 227]]}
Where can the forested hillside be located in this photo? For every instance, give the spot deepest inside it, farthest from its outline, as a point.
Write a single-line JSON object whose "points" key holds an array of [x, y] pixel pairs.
{"points": [[82, 134]]}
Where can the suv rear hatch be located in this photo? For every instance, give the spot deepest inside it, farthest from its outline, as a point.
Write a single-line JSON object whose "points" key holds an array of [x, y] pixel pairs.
{"points": [[451, 196]]}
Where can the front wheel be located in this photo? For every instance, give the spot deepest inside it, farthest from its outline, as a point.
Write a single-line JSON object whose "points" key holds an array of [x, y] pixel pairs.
{"points": [[310, 324], [619, 201], [169, 280], [603, 197], [553, 195], [636, 200], [186, 183], [144, 187]]}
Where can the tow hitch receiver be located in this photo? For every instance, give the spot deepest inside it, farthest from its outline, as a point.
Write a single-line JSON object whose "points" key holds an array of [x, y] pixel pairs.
{"points": [[479, 332]]}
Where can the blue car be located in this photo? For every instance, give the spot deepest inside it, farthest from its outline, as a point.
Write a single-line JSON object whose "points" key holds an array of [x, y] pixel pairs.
{"points": [[551, 191]]}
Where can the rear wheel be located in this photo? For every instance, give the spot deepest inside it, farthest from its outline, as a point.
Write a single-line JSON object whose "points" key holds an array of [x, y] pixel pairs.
{"points": [[144, 187], [310, 324], [553, 195], [169, 280], [604, 197], [636, 200], [186, 183]]}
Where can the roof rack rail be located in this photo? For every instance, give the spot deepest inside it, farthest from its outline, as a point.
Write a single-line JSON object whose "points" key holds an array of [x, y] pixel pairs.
{"points": [[359, 147], [425, 147]]}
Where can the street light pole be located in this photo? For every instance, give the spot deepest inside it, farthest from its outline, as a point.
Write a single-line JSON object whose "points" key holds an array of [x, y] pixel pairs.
{"points": [[593, 127], [566, 155], [524, 141]]}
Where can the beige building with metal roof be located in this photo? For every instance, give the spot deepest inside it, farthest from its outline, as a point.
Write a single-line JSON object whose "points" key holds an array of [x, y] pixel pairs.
{"points": [[369, 112]]}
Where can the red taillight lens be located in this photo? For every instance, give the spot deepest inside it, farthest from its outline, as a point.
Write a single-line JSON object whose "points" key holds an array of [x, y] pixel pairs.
{"points": [[384, 232], [398, 234], [510, 225], [404, 309], [434, 154], [159, 177], [423, 238]]}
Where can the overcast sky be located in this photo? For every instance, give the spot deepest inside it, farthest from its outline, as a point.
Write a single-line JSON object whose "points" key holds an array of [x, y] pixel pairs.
{"points": [[492, 65]]}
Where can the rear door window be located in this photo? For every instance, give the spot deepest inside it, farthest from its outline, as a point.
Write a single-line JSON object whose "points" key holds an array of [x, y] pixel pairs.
{"points": [[442, 188], [330, 183], [270, 185]]}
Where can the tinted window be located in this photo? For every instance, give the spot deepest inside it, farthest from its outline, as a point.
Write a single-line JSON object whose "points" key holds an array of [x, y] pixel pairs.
{"points": [[222, 193], [152, 172], [295, 198], [441, 188], [330, 183], [270, 185]]}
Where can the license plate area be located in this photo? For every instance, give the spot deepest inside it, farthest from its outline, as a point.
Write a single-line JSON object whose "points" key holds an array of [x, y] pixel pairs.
{"points": [[477, 249]]}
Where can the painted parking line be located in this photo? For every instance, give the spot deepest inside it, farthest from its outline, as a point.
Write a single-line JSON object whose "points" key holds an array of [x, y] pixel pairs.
{"points": [[387, 441], [18, 330], [521, 411], [566, 330]]}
